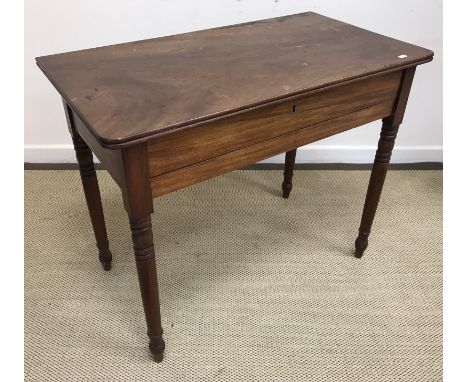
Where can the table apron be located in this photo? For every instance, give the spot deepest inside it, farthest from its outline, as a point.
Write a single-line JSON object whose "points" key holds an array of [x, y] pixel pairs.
{"points": [[181, 148], [200, 171], [109, 158], [193, 155]]}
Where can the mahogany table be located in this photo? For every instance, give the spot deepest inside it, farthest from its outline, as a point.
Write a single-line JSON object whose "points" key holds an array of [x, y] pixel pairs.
{"points": [[166, 113]]}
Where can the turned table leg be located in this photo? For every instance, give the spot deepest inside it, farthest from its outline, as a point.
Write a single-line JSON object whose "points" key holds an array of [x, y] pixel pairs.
{"points": [[376, 182], [92, 195], [142, 237], [288, 172], [139, 205], [386, 143]]}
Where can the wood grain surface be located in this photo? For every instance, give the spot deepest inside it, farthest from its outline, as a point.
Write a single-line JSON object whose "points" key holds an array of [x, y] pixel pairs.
{"points": [[187, 146], [222, 164], [135, 91]]}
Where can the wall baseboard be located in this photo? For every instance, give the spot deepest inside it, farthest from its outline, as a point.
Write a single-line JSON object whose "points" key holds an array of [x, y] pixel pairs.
{"points": [[271, 166], [308, 154]]}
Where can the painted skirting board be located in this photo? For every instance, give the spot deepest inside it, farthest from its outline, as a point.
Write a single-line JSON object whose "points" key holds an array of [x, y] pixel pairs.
{"points": [[307, 154]]}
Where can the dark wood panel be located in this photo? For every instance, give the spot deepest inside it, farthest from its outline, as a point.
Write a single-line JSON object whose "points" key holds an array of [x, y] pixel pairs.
{"points": [[210, 168], [110, 159], [133, 91], [189, 146]]}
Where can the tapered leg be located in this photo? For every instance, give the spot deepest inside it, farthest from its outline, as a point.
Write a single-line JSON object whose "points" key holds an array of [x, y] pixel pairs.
{"points": [[93, 198], [376, 182], [288, 172], [388, 135], [139, 205], [142, 236]]}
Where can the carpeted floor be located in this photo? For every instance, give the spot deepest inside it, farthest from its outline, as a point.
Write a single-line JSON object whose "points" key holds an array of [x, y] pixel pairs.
{"points": [[253, 287]]}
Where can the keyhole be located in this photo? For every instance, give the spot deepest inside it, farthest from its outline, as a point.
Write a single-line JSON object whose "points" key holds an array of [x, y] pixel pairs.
{"points": [[294, 108]]}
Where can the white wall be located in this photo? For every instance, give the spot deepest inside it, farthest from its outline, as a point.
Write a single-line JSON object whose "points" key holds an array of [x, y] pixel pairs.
{"points": [[54, 26]]}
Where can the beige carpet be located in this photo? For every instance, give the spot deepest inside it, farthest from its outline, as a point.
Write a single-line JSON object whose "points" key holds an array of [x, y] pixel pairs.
{"points": [[253, 287]]}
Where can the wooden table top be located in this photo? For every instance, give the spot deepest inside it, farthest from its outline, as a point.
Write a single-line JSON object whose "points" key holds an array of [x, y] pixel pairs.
{"points": [[134, 91]]}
